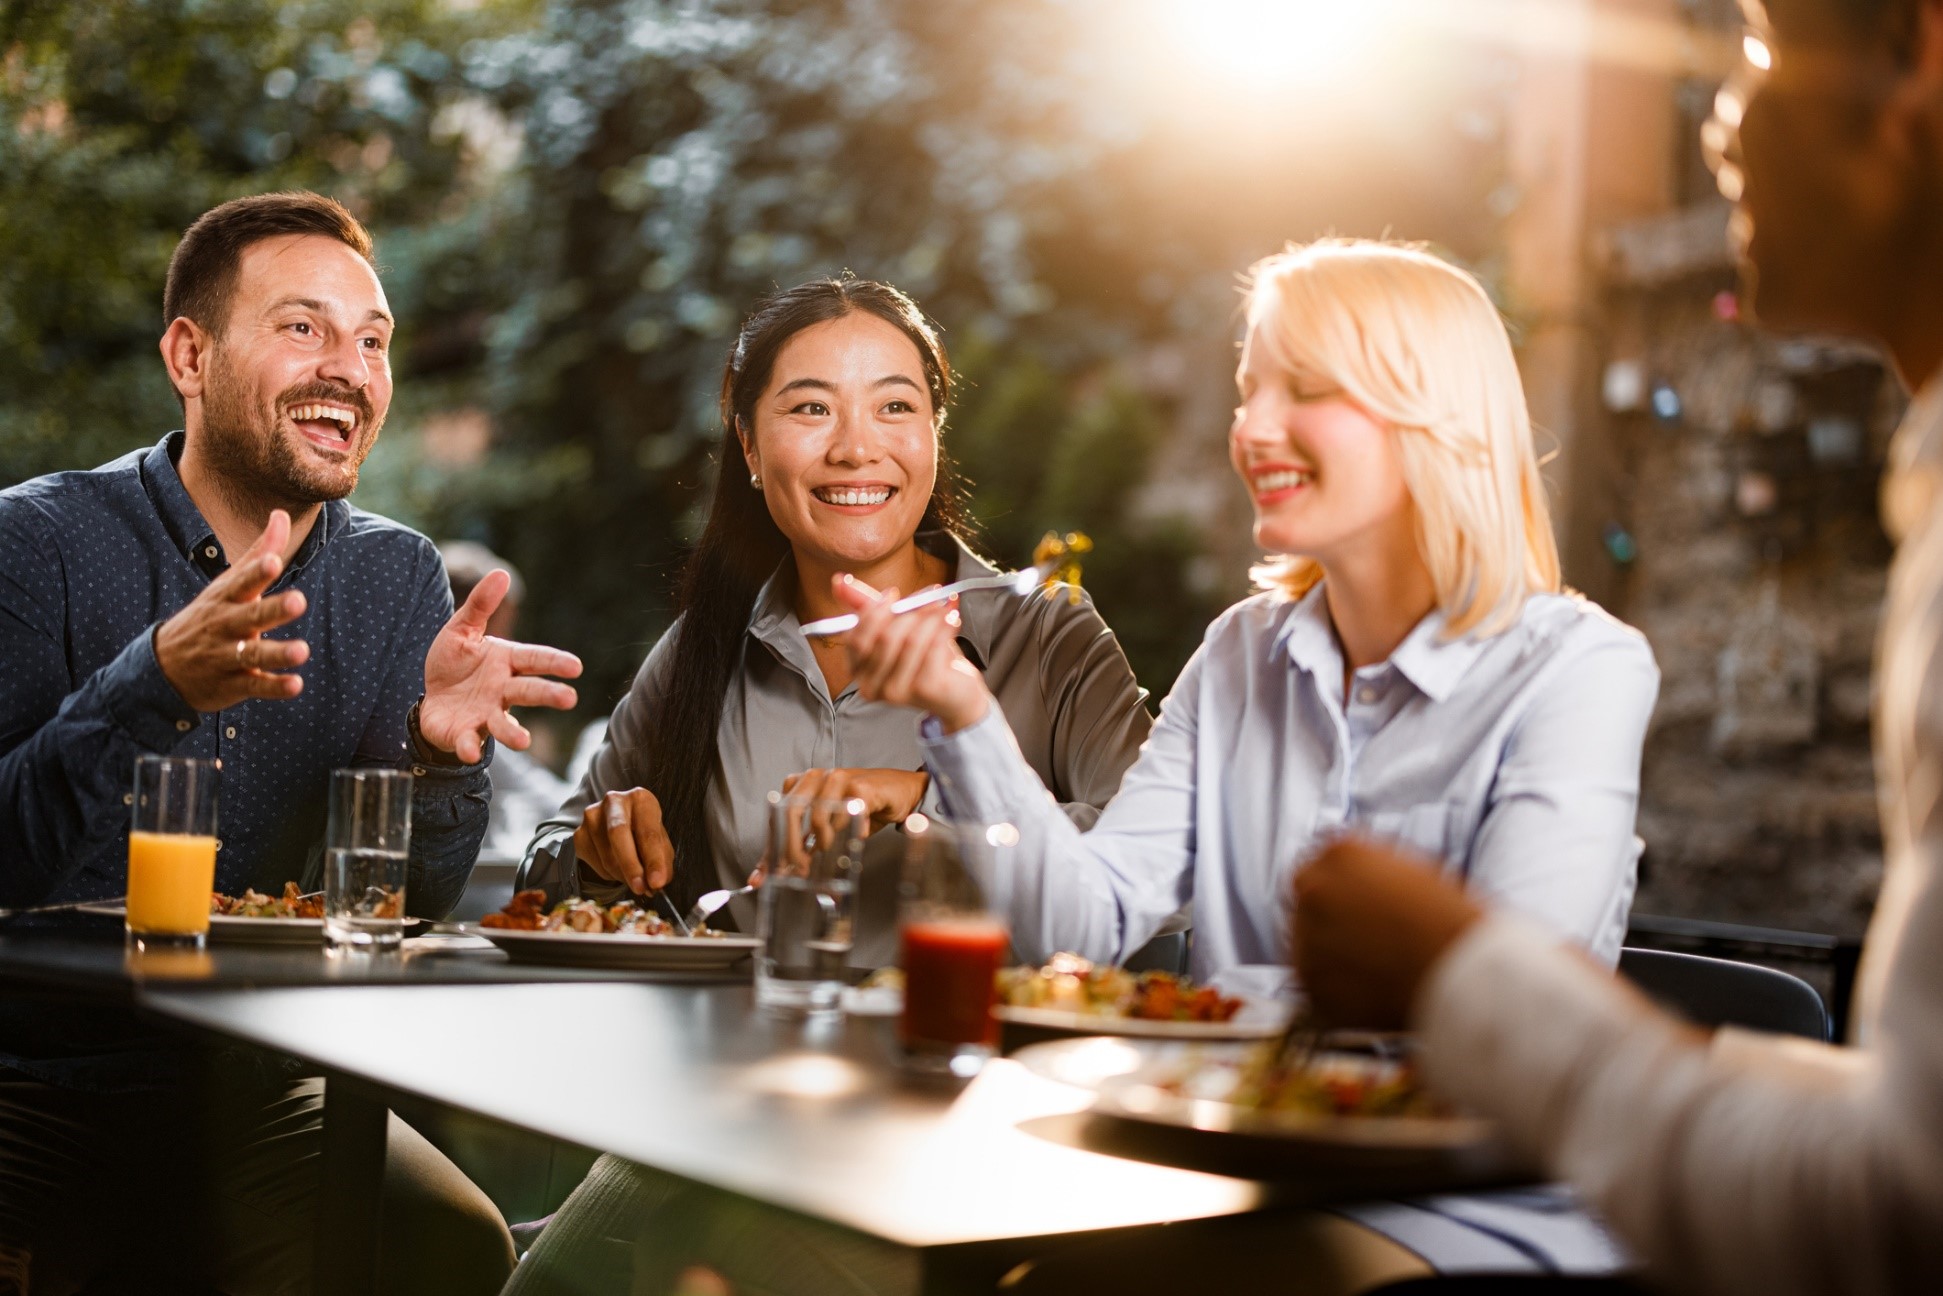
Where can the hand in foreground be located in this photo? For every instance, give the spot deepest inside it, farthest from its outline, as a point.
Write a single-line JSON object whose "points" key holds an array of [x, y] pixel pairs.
{"points": [[911, 658], [621, 838], [1370, 921], [213, 652], [889, 795], [472, 678]]}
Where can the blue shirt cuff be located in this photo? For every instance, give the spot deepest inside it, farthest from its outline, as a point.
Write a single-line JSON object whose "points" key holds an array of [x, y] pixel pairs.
{"points": [[139, 698], [979, 771], [427, 761]]}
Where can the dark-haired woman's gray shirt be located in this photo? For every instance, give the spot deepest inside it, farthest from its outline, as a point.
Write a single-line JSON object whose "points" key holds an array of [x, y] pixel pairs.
{"points": [[1053, 665]]}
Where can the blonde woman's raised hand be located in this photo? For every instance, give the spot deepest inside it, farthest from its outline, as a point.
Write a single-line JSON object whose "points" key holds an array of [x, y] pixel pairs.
{"points": [[911, 658]]}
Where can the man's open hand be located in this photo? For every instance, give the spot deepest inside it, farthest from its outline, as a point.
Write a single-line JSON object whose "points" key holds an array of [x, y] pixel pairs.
{"points": [[213, 651], [473, 679]]}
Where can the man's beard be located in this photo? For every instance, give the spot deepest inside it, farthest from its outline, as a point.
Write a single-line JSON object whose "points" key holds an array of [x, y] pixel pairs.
{"points": [[253, 458]]}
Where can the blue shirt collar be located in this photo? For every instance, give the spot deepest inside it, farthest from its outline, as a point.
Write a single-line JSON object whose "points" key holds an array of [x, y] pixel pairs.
{"points": [[1432, 663], [191, 532]]}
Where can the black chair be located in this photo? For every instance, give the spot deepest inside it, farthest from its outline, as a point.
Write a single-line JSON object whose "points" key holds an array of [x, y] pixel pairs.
{"points": [[1719, 992], [1165, 953], [1841, 955]]}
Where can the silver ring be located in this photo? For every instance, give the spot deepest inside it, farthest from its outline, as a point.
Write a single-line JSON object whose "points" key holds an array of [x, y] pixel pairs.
{"points": [[616, 814], [241, 644]]}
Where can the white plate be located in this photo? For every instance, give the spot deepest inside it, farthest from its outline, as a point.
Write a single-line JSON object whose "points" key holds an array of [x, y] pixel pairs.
{"points": [[1184, 1088], [622, 949], [1255, 1019], [231, 930]]}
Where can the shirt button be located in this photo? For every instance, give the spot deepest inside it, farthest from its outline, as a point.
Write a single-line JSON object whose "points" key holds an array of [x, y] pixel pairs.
{"points": [[1366, 695], [182, 726], [230, 732], [418, 769], [128, 798], [210, 552]]}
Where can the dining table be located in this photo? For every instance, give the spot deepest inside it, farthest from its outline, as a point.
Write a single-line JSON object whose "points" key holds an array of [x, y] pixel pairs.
{"points": [[803, 1117]]}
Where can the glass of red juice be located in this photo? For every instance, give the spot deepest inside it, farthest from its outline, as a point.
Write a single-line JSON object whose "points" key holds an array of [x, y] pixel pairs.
{"points": [[952, 944]]}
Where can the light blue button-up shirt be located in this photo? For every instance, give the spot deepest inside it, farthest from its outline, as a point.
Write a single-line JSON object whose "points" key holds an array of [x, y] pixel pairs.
{"points": [[1514, 759]]}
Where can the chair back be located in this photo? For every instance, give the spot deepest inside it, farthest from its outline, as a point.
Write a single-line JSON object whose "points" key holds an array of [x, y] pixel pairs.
{"points": [[1720, 992]]}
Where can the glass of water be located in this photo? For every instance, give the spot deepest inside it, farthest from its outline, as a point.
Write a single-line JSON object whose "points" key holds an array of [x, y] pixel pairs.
{"points": [[806, 904], [366, 848]]}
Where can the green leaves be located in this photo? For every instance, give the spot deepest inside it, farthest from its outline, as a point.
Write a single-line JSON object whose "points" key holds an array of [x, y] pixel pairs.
{"points": [[575, 203]]}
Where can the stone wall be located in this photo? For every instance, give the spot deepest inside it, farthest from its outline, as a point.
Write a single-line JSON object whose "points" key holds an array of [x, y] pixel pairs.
{"points": [[1743, 539]]}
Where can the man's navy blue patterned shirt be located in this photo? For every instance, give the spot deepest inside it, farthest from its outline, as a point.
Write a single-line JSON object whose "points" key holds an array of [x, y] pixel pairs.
{"points": [[90, 564]]}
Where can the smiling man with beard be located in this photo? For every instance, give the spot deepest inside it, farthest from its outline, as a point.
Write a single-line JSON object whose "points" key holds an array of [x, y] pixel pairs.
{"points": [[215, 596]]}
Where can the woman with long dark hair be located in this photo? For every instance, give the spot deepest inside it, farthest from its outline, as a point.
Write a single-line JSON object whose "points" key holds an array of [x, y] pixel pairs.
{"points": [[832, 405], [833, 401]]}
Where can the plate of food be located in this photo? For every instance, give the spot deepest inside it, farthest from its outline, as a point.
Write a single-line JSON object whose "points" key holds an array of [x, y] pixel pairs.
{"points": [[1072, 996], [1362, 1107], [254, 918], [587, 933]]}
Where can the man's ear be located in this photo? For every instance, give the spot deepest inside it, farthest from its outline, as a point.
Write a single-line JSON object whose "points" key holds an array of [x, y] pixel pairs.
{"points": [[185, 351]]}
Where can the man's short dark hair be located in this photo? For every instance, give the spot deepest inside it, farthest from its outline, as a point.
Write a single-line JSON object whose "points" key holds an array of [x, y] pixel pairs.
{"points": [[204, 269]]}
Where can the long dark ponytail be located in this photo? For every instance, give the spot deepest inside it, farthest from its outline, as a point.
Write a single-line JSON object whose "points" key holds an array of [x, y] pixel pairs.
{"points": [[741, 546]]}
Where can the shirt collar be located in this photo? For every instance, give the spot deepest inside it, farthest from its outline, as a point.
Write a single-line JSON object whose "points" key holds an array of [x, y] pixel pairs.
{"points": [[1308, 637], [1431, 663], [192, 533], [180, 516]]}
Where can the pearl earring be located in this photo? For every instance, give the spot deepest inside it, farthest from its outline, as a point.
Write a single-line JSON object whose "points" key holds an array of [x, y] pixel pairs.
{"points": [[755, 480]]}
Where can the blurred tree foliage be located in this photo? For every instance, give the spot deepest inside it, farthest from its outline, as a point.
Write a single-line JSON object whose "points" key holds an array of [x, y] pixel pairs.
{"points": [[575, 202], [121, 121], [680, 160]]}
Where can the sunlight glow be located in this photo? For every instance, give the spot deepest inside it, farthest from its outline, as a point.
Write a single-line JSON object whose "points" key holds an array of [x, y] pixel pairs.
{"points": [[1728, 107], [1728, 179], [1756, 50], [1267, 43], [806, 1075]]}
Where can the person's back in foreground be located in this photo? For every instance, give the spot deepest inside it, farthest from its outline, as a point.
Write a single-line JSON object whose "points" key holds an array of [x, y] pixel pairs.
{"points": [[1737, 1162]]}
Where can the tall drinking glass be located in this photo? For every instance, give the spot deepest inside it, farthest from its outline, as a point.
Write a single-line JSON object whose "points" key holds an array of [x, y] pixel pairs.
{"points": [[367, 846], [806, 905], [171, 851], [952, 943]]}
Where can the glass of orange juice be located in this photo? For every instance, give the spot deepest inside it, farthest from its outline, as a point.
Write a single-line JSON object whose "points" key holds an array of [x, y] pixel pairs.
{"points": [[172, 851]]}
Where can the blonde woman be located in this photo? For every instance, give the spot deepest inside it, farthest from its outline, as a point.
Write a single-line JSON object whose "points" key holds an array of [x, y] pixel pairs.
{"points": [[1412, 668]]}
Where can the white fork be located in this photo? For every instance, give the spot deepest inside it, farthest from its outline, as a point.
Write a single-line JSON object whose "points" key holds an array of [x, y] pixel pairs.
{"points": [[1020, 582]]}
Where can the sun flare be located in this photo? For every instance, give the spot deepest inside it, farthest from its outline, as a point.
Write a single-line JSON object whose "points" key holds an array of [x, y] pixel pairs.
{"points": [[1270, 43]]}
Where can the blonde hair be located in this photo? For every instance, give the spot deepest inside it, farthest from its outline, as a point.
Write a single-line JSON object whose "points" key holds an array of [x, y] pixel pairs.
{"points": [[1416, 343]]}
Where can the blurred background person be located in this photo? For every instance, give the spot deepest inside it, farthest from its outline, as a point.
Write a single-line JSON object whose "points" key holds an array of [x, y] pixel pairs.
{"points": [[524, 791]]}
